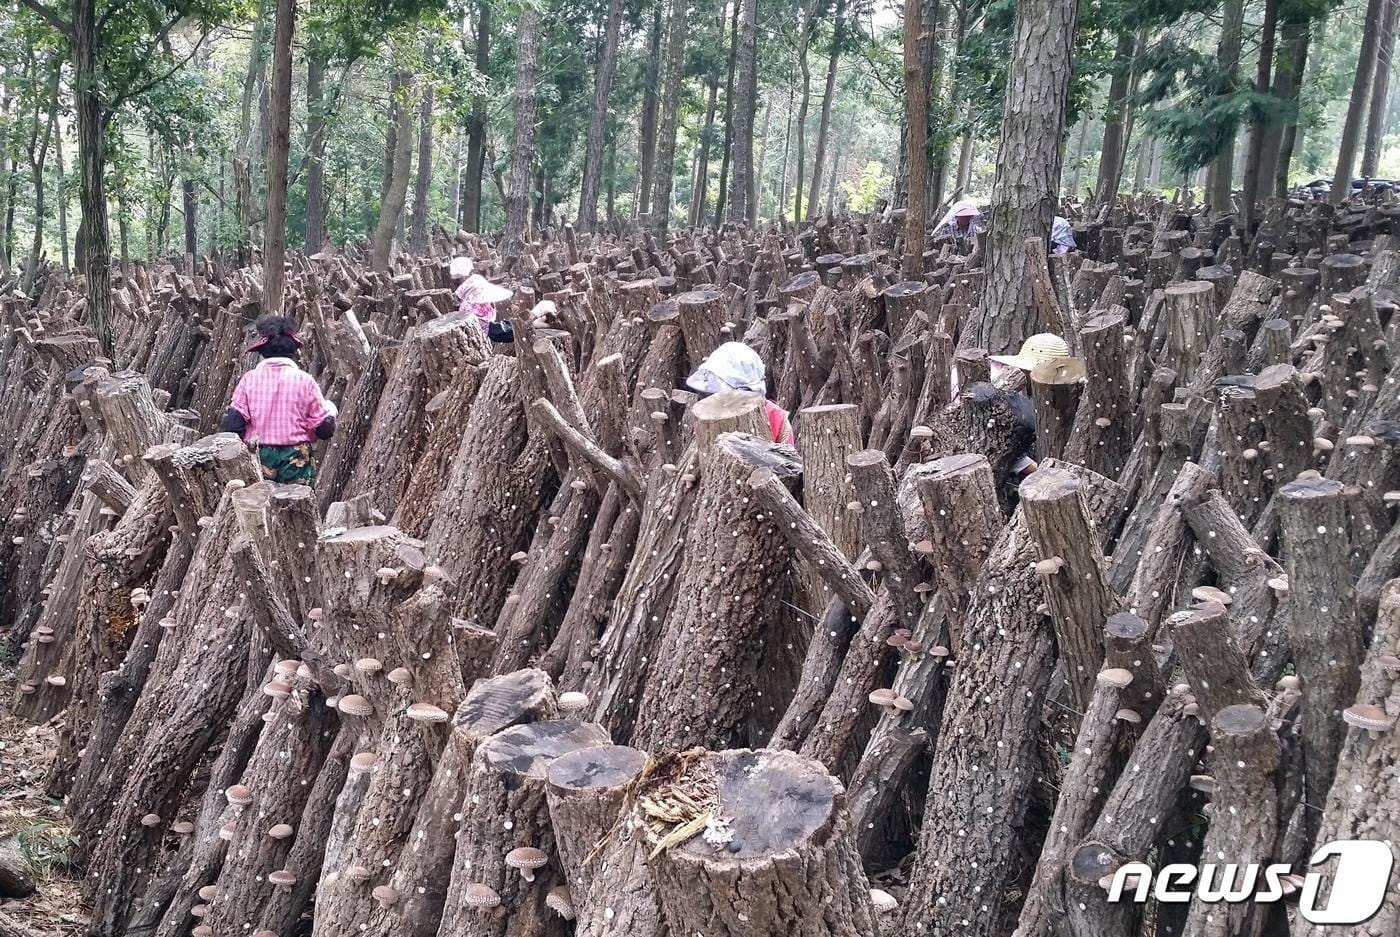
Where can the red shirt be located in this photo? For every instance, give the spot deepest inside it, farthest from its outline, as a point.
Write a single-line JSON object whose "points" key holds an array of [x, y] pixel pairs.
{"points": [[281, 403]]}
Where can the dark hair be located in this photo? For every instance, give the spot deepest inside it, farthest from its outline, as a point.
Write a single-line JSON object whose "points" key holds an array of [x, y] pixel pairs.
{"points": [[277, 332]]}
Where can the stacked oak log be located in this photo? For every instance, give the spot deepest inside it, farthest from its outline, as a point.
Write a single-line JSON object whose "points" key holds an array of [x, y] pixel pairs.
{"points": [[555, 645]]}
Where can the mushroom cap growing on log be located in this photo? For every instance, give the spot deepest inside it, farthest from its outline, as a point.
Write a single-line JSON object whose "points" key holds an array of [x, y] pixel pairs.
{"points": [[1212, 594], [239, 795], [386, 895], [280, 831], [883, 901], [481, 896], [883, 696], [526, 858], [182, 827], [426, 712], [572, 701], [363, 761], [368, 665], [1366, 716], [277, 689], [400, 676], [282, 878], [1115, 676], [151, 819], [561, 902], [355, 705]]}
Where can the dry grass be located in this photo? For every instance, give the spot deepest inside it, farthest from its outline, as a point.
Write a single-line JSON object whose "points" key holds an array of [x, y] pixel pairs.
{"points": [[26, 752]]}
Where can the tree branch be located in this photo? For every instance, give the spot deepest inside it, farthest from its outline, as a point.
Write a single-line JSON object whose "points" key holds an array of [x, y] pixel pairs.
{"points": [[589, 450], [141, 89], [64, 27]]}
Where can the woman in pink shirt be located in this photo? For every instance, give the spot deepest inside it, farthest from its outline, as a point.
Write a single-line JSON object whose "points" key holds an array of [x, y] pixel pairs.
{"points": [[278, 408], [478, 296], [736, 366]]}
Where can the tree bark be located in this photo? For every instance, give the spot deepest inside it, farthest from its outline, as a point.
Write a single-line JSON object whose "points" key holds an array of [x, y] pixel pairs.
{"points": [[1255, 167], [476, 126], [1292, 136], [1114, 138], [806, 24], [828, 96], [278, 144], [422, 186], [741, 195], [1227, 54], [92, 163], [670, 115], [916, 143], [1380, 91], [391, 206], [650, 76], [1356, 106], [598, 120], [1028, 170], [727, 152], [315, 196], [523, 137], [243, 144]]}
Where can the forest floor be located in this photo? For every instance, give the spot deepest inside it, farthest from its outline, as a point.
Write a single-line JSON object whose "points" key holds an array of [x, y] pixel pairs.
{"points": [[26, 752]]}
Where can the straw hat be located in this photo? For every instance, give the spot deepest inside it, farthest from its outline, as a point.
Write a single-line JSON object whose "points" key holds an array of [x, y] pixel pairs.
{"points": [[1043, 347], [478, 289], [460, 268]]}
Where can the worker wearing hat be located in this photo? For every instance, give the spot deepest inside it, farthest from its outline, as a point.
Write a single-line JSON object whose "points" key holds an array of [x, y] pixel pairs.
{"points": [[478, 296], [1037, 349], [277, 408], [962, 222]]}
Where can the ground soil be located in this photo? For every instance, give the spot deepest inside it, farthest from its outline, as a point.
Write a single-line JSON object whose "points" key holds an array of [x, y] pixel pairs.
{"points": [[26, 752]]}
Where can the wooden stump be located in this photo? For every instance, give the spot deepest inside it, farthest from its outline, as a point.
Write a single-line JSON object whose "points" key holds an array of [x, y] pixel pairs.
{"points": [[601, 845], [505, 809], [784, 863], [700, 684], [420, 877]]}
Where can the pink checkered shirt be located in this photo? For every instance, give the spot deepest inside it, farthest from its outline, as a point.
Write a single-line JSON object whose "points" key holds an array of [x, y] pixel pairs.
{"points": [[282, 404]]}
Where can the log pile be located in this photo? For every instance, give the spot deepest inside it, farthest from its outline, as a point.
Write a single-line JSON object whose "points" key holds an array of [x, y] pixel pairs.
{"points": [[556, 646]]}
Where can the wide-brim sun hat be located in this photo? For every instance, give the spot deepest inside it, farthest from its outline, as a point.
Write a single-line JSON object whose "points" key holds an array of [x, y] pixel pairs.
{"points": [[478, 289], [967, 211], [460, 268], [1046, 346]]}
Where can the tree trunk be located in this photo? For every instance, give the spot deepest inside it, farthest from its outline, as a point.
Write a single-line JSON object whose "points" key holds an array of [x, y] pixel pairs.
{"points": [[315, 211], [1356, 108], [741, 206], [670, 115], [1293, 65], [1114, 139], [1218, 183], [598, 120], [391, 206], [1380, 92], [701, 176], [651, 73], [1028, 170], [523, 137], [242, 148], [476, 126], [1255, 167], [819, 159], [916, 143], [37, 159], [92, 158], [278, 144], [422, 186], [61, 194], [787, 152], [727, 152], [805, 69], [935, 111]]}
